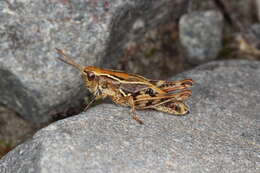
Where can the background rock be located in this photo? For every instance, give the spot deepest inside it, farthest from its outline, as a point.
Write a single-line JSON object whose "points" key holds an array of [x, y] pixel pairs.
{"points": [[256, 30], [151, 40], [244, 11], [258, 8], [13, 130], [201, 35], [33, 82], [221, 134]]}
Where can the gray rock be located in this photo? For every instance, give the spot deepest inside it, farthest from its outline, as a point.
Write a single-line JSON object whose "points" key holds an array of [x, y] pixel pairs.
{"points": [[33, 82], [253, 35], [256, 30], [221, 134], [201, 35]]}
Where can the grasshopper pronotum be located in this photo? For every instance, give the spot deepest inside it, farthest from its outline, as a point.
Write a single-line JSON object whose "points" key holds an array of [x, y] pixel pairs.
{"points": [[133, 90]]}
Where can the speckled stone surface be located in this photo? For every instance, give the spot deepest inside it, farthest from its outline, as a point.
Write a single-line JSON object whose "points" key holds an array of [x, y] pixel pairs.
{"points": [[33, 82], [201, 35], [221, 134]]}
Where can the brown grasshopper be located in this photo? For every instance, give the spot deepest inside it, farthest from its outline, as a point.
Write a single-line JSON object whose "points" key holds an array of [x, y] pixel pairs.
{"points": [[133, 90]]}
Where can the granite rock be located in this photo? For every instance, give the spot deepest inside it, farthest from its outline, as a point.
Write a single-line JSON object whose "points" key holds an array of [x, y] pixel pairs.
{"points": [[201, 35], [221, 134]]}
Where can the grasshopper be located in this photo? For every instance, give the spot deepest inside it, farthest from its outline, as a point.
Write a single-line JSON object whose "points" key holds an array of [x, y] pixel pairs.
{"points": [[133, 90]]}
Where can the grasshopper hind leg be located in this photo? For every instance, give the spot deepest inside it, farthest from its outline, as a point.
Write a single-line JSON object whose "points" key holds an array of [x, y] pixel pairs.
{"points": [[133, 111], [128, 101], [175, 108]]}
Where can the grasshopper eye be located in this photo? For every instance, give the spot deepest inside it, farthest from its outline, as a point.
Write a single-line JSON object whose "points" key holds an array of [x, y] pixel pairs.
{"points": [[91, 76]]}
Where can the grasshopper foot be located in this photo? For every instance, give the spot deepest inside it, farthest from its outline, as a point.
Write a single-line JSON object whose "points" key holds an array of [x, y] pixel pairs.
{"points": [[136, 118]]}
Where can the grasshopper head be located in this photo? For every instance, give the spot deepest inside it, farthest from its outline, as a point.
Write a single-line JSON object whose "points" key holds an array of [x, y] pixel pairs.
{"points": [[90, 78]]}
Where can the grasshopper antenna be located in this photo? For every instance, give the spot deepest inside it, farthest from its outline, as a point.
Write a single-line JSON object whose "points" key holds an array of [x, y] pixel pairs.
{"points": [[68, 60]]}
